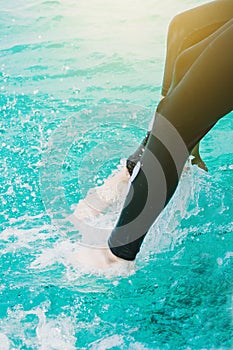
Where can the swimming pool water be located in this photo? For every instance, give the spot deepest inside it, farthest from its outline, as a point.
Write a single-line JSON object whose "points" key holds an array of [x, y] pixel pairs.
{"points": [[79, 82]]}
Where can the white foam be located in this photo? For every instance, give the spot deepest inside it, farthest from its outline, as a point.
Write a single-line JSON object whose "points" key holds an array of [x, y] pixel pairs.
{"points": [[55, 334], [61, 253], [4, 341], [24, 238], [79, 262], [117, 341], [108, 343], [51, 333]]}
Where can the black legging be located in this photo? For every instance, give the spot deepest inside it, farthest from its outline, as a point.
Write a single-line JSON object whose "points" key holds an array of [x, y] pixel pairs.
{"points": [[199, 98]]}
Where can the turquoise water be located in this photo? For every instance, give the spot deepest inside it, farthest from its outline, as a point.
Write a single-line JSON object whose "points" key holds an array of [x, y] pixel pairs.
{"points": [[79, 82]]}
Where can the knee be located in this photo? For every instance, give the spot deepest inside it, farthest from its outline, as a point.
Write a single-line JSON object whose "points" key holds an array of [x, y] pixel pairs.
{"points": [[176, 28]]}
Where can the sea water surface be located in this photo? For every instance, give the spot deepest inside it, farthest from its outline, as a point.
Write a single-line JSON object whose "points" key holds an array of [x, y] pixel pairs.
{"points": [[79, 83]]}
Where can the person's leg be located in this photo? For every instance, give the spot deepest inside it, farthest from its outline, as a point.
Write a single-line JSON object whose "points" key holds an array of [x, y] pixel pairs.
{"points": [[187, 57], [204, 94], [182, 64], [189, 28], [186, 30], [202, 97]]}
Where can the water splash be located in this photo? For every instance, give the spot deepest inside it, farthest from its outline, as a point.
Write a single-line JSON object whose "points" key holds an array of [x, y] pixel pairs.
{"points": [[36, 330]]}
